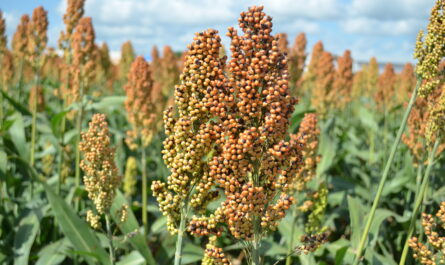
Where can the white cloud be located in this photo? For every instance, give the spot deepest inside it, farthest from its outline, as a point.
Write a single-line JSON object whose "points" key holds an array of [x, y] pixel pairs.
{"points": [[391, 9], [374, 26]]}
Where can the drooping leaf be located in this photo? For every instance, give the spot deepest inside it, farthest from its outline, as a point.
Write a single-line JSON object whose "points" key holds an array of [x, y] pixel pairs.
{"points": [[76, 230], [131, 228]]}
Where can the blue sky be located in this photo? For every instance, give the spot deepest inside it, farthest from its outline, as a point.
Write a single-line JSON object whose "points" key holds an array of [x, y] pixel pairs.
{"points": [[383, 28]]}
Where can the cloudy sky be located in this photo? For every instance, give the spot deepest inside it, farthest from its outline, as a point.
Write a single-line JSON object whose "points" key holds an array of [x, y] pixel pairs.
{"points": [[382, 28]]}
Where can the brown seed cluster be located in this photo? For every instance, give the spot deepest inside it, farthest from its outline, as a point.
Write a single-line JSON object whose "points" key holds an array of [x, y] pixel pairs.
{"points": [[324, 96], [101, 174], [384, 96], [127, 57], [37, 38], [165, 76], [139, 103], [214, 255], [307, 137], [433, 227], [81, 70], [20, 38], [343, 80], [74, 12], [297, 58], [430, 50], [406, 83], [312, 70], [372, 77], [3, 40], [190, 135], [7, 70], [254, 163], [418, 123]]}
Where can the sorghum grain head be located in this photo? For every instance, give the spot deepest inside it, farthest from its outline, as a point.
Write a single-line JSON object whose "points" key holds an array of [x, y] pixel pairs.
{"points": [[101, 175], [3, 40], [74, 12], [20, 38], [139, 104], [343, 79], [37, 37], [384, 96], [430, 50]]}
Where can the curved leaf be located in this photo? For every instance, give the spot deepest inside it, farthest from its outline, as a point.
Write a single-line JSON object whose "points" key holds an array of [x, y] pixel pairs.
{"points": [[131, 226], [75, 229]]}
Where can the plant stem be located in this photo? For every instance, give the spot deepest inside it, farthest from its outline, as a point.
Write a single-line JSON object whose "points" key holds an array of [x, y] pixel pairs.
{"points": [[256, 259], [78, 133], [385, 174], [144, 191], [290, 247], [181, 231], [418, 201], [110, 239], [34, 121]]}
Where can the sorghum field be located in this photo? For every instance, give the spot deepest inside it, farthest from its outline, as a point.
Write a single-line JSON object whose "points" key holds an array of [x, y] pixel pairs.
{"points": [[263, 152]]}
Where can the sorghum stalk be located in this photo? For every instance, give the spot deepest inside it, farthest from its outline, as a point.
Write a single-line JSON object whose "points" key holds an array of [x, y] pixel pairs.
{"points": [[418, 201], [82, 45], [181, 232], [290, 247], [74, 12], [110, 239], [140, 110], [385, 174], [78, 132], [34, 123], [144, 191], [36, 45]]}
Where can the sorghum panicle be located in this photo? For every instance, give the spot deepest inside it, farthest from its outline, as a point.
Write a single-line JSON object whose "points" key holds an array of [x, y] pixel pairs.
{"points": [[283, 43], [418, 123], [297, 57], [139, 103], [101, 174], [310, 75], [37, 37], [343, 80], [214, 255], [190, 136], [254, 163], [7, 69], [3, 39], [74, 12], [372, 76], [323, 95], [430, 50], [20, 38], [384, 96], [432, 225], [406, 82], [127, 57], [130, 177], [82, 67], [307, 137]]}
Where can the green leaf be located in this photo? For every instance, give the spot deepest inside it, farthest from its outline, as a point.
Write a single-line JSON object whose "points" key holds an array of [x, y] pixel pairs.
{"points": [[106, 102], [56, 121], [356, 213], [327, 151], [134, 258], [17, 132], [340, 255], [24, 238], [191, 253], [22, 109], [53, 253], [75, 229], [131, 226]]}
